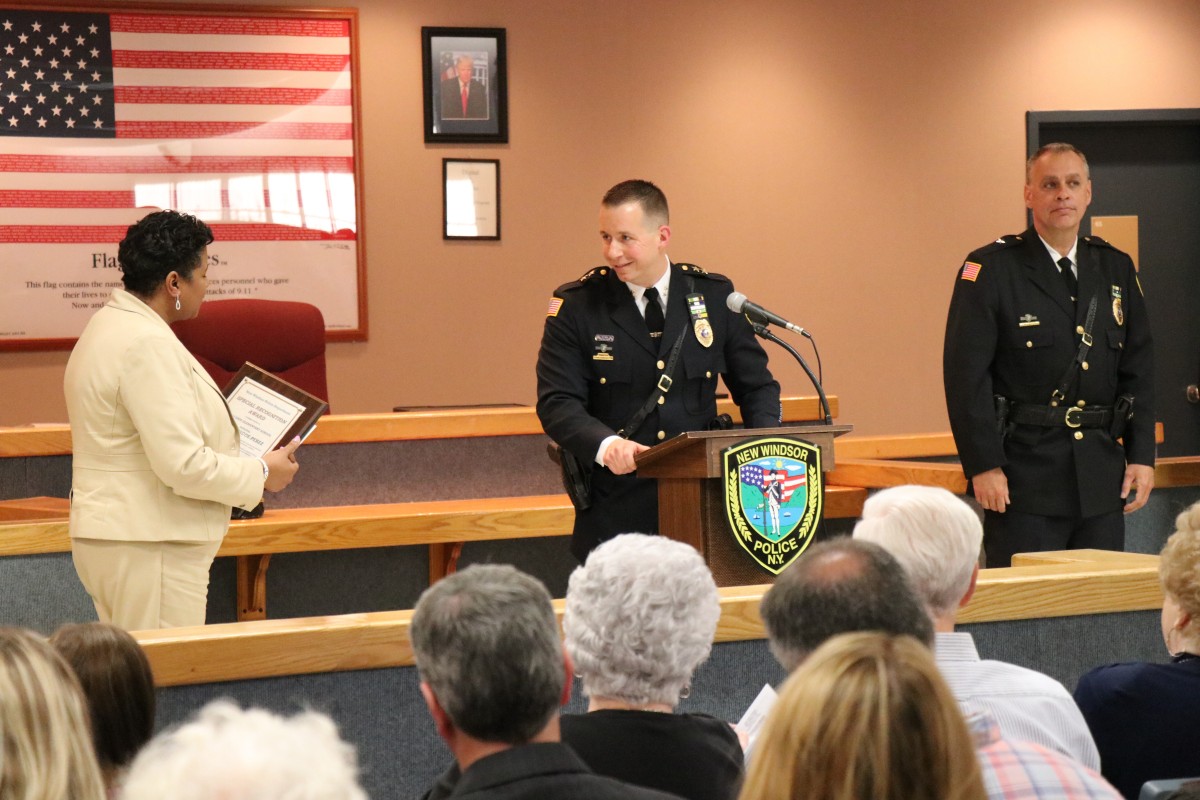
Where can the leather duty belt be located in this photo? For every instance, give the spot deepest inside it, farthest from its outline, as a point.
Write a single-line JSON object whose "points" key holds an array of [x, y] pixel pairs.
{"points": [[1061, 416]]}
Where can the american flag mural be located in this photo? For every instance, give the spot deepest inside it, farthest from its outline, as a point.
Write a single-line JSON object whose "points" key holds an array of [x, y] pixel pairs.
{"points": [[245, 121]]}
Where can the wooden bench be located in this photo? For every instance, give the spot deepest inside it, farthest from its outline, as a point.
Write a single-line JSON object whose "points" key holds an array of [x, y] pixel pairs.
{"points": [[444, 526], [1045, 585]]}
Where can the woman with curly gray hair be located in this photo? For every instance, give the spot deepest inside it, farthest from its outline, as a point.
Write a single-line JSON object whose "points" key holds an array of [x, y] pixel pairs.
{"points": [[640, 618]]}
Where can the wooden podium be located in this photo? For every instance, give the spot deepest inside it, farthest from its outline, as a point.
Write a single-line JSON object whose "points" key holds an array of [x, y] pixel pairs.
{"points": [[691, 499]]}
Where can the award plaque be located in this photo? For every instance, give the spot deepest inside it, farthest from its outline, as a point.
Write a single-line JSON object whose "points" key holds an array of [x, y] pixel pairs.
{"points": [[269, 411]]}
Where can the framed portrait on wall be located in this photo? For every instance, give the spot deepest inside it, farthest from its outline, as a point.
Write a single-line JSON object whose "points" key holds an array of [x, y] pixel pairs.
{"points": [[466, 89]]}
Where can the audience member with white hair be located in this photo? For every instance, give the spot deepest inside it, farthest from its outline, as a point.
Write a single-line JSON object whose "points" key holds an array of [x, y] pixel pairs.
{"points": [[640, 618], [227, 753], [936, 537], [45, 741]]}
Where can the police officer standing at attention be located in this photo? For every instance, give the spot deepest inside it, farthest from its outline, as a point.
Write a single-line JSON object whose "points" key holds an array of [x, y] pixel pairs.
{"points": [[630, 356], [1047, 363]]}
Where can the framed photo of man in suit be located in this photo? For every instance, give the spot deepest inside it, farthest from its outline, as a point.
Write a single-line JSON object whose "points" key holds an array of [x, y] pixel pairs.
{"points": [[466, 92]]}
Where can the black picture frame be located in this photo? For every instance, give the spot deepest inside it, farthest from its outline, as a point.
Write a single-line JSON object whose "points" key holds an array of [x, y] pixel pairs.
{"points": [[471, 199], [483, 117]]}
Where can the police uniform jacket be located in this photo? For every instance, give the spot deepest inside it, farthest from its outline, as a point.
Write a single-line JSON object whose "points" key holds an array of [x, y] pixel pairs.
{"points": [[1012, 331], [598, 365]]}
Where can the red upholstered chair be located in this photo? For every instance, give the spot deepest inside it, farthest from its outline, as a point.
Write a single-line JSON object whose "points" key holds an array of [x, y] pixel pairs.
{"points": [[284, 338]]}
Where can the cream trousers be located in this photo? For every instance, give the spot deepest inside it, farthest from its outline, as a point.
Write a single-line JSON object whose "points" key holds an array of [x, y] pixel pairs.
{"points": [[145, 585]]}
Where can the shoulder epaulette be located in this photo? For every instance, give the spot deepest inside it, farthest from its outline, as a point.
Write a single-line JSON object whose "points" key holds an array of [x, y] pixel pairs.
{"points": [[592, 274], [1096, 240], [1011, 240], [692, 269]]}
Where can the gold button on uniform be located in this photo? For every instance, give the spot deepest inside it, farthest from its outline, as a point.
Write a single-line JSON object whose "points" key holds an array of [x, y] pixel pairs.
{"points": [[661, 365], [662, 435], [1081, 403], [604, 380], [1084, 365], [1029, 344], [661, 399], [1079, 329], [708, 374], [1078, 434]]}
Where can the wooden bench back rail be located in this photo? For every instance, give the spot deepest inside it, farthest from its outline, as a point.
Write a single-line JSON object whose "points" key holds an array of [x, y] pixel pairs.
{"points": [[443, 525], [451, 423], [1052, 585], [881, 473]]}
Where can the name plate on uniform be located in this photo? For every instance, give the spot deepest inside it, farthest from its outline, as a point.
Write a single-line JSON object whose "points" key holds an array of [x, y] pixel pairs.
{"points": [[269, 411]]}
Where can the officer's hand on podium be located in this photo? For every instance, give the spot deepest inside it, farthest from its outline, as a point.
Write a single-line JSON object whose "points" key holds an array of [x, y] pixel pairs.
{"points": [[619, 457], [1140, 478], [991, 489], [281, 466]]}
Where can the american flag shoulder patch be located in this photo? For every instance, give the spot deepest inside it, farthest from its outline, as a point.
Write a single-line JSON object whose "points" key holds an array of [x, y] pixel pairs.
{"points": [[555, 305], [970, 271]]}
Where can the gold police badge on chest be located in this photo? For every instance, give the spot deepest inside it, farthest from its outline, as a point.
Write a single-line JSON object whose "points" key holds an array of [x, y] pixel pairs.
{"points": [[1118, 309], [700, 324]]}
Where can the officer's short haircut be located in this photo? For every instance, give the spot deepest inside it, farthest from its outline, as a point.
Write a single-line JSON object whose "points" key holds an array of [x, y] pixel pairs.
{"points": [[1056, 147], [486, 642], [644, 193], [840, 586]]}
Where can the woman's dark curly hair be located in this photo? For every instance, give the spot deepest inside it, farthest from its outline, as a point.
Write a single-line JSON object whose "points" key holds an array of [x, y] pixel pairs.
{"points": [[156, 245]]}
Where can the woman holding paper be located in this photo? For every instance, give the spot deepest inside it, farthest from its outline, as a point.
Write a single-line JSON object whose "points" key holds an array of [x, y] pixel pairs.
{"points": [[155, 467]]}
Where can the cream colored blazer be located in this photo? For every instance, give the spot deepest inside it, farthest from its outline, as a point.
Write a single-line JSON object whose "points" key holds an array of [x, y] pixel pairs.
{"points": [[155, 450]]}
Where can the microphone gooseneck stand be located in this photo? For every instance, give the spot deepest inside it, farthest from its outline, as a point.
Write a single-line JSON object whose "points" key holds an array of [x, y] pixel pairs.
{"points": [[765, 333]]}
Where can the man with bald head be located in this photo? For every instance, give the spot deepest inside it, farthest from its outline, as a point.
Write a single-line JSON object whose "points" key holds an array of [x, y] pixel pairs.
{"points": [[840, 586]]}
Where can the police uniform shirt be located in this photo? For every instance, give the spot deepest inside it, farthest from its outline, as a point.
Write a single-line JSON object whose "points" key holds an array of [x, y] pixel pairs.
{"points": [[1070, 256], [663, 286]]}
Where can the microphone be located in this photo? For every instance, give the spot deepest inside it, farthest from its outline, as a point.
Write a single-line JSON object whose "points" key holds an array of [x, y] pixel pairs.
{"points": [[738, 304]]}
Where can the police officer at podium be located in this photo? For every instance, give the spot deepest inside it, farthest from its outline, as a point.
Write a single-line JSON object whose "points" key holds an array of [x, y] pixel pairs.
{"points": [[630, 356]]}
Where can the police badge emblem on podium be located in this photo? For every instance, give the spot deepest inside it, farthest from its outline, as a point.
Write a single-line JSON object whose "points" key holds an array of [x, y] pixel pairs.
{"points": [[774, 489]]}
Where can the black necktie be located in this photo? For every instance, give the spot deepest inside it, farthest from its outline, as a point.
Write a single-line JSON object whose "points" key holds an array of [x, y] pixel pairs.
{"points": [[654, 314], [1068, 277]]}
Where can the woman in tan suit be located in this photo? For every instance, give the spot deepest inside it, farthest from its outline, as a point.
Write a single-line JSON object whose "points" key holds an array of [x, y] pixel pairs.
{"points": [[155, 467]]}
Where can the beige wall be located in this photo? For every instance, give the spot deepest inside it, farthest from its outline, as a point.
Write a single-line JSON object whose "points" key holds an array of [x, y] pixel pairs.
{"points": [[837, 160]]}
